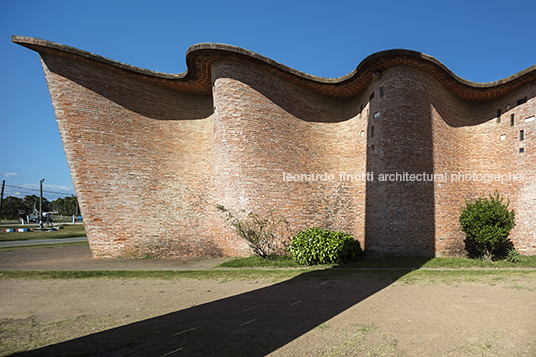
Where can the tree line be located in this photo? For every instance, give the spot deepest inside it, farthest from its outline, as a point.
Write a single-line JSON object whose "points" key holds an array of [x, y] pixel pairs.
{"points": [[15, 207]]}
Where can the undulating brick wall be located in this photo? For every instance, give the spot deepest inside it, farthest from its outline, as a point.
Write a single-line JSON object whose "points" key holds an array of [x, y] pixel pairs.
{"points": [[387, 153]]}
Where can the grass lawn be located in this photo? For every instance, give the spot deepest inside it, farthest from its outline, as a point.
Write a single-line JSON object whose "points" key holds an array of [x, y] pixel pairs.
{"points": [[408, 270], [68, 231], [52, 245], [386, 263], [407, 276]]}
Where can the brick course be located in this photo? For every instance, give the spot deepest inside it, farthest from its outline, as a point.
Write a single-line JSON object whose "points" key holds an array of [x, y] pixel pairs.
{"points": [[151, 154]]}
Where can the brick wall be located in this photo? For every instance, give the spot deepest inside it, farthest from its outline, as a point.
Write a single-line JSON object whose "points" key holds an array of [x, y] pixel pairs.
{"points": [[468, 139], [140, 157], [151, 155]]}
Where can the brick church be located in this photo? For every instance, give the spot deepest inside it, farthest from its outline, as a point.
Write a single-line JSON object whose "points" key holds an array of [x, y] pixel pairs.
{"points": [[388, 153]]}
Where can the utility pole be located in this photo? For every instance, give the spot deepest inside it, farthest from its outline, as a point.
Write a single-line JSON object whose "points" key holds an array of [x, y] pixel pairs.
{"points": [[41, 203], [2, 196]]}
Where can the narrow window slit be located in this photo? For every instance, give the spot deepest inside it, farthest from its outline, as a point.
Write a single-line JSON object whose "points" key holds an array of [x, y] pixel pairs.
{"points": [[522, 101]]}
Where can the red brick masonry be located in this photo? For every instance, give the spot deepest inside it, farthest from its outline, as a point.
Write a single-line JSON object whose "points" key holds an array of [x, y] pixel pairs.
{"points": [[388, 152]]}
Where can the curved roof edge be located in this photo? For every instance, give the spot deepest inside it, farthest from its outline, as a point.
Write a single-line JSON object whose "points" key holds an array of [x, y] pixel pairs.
{"points": [[200, 57]]}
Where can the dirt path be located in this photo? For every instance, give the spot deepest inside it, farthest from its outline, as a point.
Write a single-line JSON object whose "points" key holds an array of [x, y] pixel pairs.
{"points": [[79, 258], [298, 317]]}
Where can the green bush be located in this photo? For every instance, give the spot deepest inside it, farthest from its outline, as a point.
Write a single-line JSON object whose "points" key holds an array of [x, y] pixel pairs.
{"points": [[318, 246], [487, 222]]}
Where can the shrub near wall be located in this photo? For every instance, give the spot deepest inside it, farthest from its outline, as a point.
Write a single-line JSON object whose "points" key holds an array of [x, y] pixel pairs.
{"points": [[318, 246], [487, 222], [267, 234]]}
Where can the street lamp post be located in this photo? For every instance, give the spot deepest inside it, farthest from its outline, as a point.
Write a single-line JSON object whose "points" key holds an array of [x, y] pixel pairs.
{"points": [[41, 203]]}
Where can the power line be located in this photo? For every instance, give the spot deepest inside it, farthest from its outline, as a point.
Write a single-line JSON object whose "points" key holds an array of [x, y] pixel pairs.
{"points": [[36, 189]]}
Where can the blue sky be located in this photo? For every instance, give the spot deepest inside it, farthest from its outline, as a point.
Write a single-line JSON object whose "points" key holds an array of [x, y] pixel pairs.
{"points": [[480, 41]]}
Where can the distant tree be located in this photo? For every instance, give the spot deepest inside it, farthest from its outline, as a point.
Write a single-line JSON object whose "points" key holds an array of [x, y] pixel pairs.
{"points": [[66, 206], [13, 208], [32, 201], [57, 205]]}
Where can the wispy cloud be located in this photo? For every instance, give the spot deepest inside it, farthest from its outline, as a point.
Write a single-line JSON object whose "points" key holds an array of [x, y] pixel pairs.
{"points": [[51, 192], [48, 188], [10, 175], [59, 189]]}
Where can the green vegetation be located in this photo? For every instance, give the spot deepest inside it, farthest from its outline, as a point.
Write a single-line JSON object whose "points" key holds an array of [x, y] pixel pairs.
{"points": [[319, 246], [487, 222], [15, 207], [68, 231], [66, 206]]}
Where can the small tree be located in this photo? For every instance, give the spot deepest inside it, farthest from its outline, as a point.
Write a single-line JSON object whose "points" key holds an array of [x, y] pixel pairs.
{"points": [[487, 222], [264, 234]]}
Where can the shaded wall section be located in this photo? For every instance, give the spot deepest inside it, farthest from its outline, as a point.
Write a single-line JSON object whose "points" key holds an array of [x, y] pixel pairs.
{"points": [[400, 198]]}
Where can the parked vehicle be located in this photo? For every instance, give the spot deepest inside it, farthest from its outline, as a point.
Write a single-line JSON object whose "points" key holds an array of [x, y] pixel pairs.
{"points": [[35, 218]]}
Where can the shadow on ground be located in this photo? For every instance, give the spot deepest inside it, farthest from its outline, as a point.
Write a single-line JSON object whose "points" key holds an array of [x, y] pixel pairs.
{"points": [[251, 324]]}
